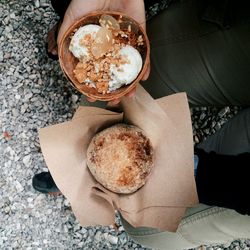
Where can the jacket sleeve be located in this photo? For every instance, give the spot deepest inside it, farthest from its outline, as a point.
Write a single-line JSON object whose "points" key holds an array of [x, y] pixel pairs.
{"points": [[223, 180]]}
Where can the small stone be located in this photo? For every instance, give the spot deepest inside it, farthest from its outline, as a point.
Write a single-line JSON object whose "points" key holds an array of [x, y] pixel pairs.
{"points": [[224, 111], [49, 211], [7, 55], [24, 108], [28, 96], [33, 76], [74, 98], [17, 97], [98, 236], [83, 230], [30, 200], [40, 81], [66, 203], [7, 210], [15, 112], [26, 160], [65, 229], [1, 55], [37, 3], [18, 186], [81, 244], [12, 15], [196, 139], [112, 239]]}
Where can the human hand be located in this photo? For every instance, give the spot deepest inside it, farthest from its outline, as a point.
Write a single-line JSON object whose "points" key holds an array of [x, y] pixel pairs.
{"points": [[79, 8]]}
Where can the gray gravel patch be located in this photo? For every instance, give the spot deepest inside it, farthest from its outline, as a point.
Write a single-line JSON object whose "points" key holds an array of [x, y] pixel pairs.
{"points": [[35, 94]]}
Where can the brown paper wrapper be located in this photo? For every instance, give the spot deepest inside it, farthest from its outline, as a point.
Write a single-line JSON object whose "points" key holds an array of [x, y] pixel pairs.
{"points": [[170, 189]]}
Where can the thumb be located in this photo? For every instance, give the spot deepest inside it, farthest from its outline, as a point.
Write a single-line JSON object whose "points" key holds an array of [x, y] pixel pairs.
{"points": [[68, 20], [147, 73]]}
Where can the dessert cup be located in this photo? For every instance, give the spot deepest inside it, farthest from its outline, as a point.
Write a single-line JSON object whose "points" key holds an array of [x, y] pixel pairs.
{"points": [[68, 61]]}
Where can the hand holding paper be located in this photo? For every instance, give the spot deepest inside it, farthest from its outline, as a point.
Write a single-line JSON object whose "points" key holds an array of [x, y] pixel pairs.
{"points": [[162, 202]]}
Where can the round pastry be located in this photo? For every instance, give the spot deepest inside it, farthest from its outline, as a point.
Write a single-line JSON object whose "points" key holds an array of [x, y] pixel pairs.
{"points": [[120, 158]]}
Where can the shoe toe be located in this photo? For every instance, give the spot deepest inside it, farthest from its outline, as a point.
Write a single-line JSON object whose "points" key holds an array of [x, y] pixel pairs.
{"points": [[44, 183]]}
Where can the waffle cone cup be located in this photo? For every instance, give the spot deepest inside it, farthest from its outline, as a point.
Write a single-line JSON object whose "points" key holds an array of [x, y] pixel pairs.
{"points": [[68, 62]]}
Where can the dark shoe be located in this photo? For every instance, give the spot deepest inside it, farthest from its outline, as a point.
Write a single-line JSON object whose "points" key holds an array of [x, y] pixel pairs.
{"points": [[44, 183]]}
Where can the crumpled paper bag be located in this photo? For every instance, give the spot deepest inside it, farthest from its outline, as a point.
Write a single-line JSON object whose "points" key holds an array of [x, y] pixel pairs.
{"points": [[170, 189]]}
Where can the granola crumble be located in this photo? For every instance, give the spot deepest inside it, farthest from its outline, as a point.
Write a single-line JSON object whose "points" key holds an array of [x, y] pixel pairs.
{"points": [[97, 70]]}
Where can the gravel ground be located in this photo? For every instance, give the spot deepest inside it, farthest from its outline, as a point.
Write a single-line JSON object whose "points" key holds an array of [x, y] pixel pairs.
{"points": [[35, 94]]}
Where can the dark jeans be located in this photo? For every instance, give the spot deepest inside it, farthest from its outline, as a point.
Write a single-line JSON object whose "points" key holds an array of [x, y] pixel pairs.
{"points": [[192, 52]]}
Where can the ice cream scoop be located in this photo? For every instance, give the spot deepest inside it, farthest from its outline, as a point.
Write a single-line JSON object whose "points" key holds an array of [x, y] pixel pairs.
{"points": [[125, 73], [76, 47]]}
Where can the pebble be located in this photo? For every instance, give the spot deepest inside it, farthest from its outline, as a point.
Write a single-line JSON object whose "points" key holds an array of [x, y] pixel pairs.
{"points": [[12, 15], [112, 239], [1, 56], [7, 210], [33, 76], [28, 96], [18, 186], [24, 108], [37, 3], [26, 160], [7, 56]]}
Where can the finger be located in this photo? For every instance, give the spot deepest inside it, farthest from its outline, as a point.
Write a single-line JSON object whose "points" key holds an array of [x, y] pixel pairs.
{"points": [[90, 99], [114, 102], [143, 25], [73, 13], [147, 73], [131, 93], [76, 10], [67, 21]]}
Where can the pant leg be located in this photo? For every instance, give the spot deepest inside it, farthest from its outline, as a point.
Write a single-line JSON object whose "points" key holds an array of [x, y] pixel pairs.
{"points": [[202, 225], [196, 56], [223, 170], [233, 138]]}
